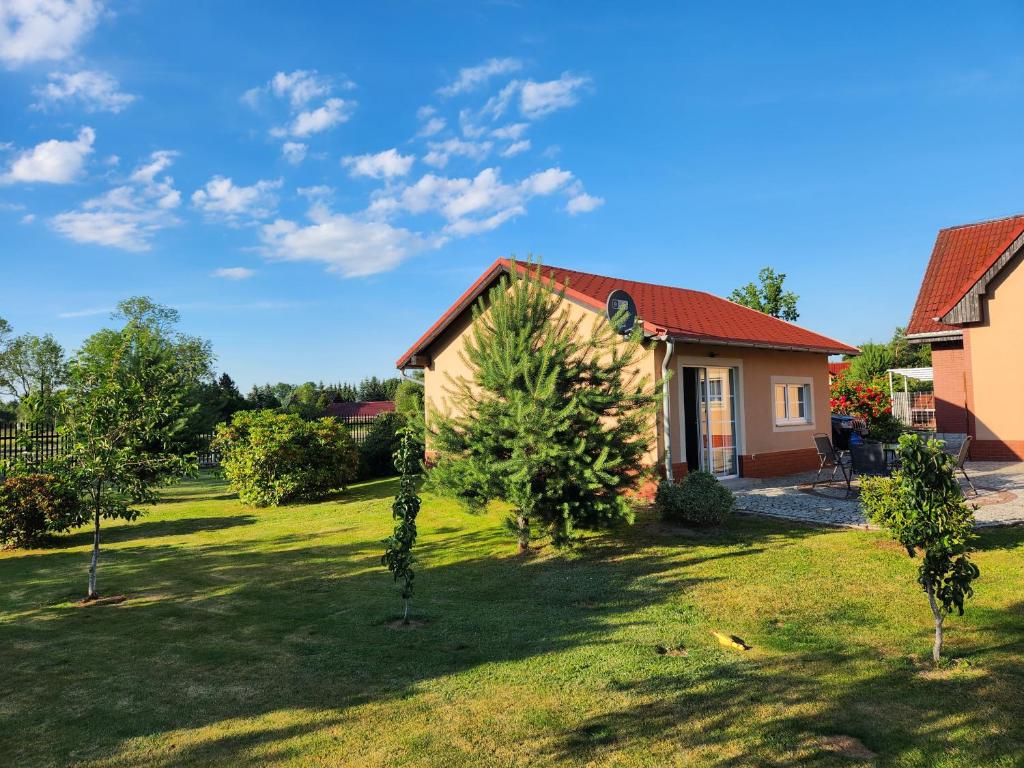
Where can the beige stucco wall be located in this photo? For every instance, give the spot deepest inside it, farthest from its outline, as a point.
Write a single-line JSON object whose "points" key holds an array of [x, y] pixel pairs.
{"points": [[997, 366], [446, 363], [758, 433], [757, 367]]}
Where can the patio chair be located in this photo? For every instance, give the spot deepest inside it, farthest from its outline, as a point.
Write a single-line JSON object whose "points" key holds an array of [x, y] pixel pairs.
{"points": [[830, 458], [868, 460], [961, 457]]}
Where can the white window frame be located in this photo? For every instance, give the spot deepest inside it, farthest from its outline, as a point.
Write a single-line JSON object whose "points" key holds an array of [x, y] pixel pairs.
{"points": [[790, 424]]}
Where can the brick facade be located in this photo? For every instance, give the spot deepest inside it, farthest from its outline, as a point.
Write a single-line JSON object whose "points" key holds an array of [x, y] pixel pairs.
{"points": [[779, 463], [997, 450], [952, 387]]}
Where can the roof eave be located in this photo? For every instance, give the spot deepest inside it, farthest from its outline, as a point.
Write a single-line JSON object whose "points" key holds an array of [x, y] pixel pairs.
{"points": [[838, 349]]}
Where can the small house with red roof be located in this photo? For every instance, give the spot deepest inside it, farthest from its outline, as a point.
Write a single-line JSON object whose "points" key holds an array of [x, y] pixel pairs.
{"points": [[746, 391], [970, 308]]}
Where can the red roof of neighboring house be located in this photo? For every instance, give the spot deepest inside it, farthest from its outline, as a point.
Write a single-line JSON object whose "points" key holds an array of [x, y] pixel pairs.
{"points": [[679, 313], [960, 258], [365, 408], [834, 369]]}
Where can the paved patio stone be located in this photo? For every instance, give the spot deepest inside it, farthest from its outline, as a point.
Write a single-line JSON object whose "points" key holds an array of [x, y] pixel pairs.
{"points": [[1000, 499]]}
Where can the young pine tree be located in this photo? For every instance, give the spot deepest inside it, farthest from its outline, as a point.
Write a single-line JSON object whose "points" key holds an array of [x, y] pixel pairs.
{"points": [[553, 418]]}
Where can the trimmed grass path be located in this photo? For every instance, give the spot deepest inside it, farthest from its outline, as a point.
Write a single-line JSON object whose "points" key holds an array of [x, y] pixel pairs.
{"points": [[260, 638]]}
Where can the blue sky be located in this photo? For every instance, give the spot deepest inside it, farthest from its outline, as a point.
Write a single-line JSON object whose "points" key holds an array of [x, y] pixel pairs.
{"points": [[312, 186]]}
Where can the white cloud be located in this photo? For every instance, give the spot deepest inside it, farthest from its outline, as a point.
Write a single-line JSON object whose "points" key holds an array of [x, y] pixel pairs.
{"points": [[28, 218], [127, 216], [294, 151], [383, 165], [299, 87], [431, 123], [512, 132], [498, 104], [53, 161], [442, 151], [516, 148], [333, 112], [472, 205], [233, 273], [222, 198], [318, 192], [583, 203], [348, 245], [471, 78], [38, 30], [96, 91], [539, 99], [91, 312]]}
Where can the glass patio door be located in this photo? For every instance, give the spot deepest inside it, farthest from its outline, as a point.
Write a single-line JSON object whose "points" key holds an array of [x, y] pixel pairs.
{"points": [[716, 406]]}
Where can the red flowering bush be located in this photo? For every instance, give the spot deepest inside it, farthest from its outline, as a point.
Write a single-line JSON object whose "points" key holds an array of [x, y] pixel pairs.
{"points": [[860, 400]]}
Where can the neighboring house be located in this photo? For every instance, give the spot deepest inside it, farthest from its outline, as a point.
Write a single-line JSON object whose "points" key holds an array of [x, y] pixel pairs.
{"points": [[835, 370], [369, 408], [747, 391], [971, 310]]}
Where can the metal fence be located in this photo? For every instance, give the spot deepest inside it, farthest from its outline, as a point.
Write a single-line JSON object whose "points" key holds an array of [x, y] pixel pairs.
{"points": [[37, 443], [915, 409], [32, 443], [358, 426]]}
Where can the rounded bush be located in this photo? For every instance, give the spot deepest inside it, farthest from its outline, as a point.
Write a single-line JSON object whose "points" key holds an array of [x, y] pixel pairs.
{"points": [[34, 506], [699, 500], [273, 458]]}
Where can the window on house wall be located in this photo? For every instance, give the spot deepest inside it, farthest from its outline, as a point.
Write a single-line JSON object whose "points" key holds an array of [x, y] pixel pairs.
{"points": [[792, 403]]}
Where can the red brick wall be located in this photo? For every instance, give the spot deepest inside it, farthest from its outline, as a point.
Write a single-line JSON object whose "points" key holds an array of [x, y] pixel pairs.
{"points": [[779, 463], [997, 450], [952, 386]]}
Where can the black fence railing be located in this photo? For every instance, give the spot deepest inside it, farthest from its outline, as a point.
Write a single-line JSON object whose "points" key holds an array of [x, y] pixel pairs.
{"points": [[35, 444], [32, 443], [358, 426]]}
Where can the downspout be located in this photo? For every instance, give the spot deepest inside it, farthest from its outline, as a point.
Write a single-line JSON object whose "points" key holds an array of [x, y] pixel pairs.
{"points": [[666, 420], [407, 377]]}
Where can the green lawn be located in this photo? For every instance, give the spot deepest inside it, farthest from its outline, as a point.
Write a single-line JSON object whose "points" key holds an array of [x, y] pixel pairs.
{"points": [[261, 637]]}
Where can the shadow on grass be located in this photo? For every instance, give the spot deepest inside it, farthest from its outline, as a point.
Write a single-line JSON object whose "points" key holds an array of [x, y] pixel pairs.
{"points": [[226, 631], [151, 529], [779, 711]]}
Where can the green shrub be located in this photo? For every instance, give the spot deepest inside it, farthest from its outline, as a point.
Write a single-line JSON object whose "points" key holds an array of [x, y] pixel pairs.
{"points": [[699, 500], [377, 451], [273, 458], [35, 505], [885, 428], [922, 507]]}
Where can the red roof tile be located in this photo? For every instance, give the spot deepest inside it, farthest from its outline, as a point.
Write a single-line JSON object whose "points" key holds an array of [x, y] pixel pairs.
{"points": [[362, 408], [679, 313], [834, 369], [960, 258]]}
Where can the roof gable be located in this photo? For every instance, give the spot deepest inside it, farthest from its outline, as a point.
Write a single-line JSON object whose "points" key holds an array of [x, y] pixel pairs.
{"points": [[962, 257], [678, 313]]}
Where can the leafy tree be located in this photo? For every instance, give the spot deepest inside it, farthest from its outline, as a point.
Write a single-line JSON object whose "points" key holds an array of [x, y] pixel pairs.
{"points": [[308, 400], [409, 401], [398, 555], [550, 420], [907, 355], [872, 362], [124, 407], [768, 296], [922, 507], [33, 370]]}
